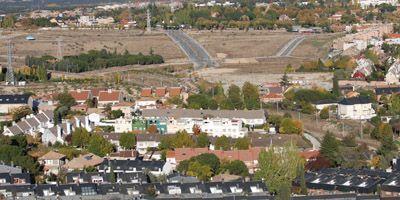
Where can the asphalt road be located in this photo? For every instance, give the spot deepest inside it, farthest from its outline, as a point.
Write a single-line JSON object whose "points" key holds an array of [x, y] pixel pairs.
{"points": [[290, 46], [193, 50]]}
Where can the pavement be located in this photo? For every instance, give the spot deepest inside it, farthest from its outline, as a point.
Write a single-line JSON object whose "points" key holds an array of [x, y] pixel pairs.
{"points": [[290, 46], [316, 144], [193, 50]]}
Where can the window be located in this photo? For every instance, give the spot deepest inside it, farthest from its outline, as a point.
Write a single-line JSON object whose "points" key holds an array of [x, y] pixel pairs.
{"points": [[86, 191]]}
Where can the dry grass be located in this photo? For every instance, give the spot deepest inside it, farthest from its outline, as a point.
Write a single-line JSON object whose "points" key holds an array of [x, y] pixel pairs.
{"points": [[75, 42], [241, 44]]}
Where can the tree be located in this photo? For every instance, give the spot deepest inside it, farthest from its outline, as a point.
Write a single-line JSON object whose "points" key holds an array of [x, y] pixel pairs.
{"points": [[183, 139], [127, 140], [242, 143], [349, 141], [202, 140], [279, 167], [324, 113], [20, 112], [99, 145], [222, 143], [285, 81], [330, 148], [152, 129], [237, 167], [235, 97], [114, 114], [202, 172], [80, 137], [251, 97], [196, 129], [209, 159], [65, 99], [290, 126]]}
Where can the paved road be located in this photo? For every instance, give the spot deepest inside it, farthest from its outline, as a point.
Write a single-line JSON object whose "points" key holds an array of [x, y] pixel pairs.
{"points": [[193, 50], [290, 46], [316, 144]]}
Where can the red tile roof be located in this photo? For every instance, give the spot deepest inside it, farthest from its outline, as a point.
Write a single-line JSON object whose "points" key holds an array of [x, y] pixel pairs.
{"points": [[394, 35], [80, 95], [174, 91], [146, 92], [109, 95], [96, 91], [161, 91]]}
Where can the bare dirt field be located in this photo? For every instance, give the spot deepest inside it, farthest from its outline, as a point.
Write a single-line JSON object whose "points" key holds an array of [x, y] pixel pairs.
{"points": [[315, 46], [78, 41], [242, 44]]}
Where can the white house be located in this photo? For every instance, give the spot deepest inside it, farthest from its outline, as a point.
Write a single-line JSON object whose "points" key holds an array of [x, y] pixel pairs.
{"points": [[367, 3], [31, 124], [359, 108], [9, 102], [146, 103], [122, 125], [319, 105], [52, 162], [57, 133], [145, 141], [393, 74]]}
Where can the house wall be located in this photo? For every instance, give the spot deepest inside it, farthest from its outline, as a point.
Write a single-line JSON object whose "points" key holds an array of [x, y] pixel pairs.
{"points": [[357, 111]]}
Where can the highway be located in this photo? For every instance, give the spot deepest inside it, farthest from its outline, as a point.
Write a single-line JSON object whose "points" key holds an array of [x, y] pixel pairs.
{"points": [[193, 50], [290, 46]]}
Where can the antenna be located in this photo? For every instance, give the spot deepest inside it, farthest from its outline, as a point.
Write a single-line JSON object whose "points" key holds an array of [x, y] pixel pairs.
{"points": [[10, 79], [148, 21], [59, 48]]}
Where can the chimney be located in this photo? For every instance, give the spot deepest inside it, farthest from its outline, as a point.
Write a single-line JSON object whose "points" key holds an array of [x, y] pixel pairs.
{"points": [[87, 126], [68, 124], [59, 134], [77, 122], [79, 90], [109, 90]]}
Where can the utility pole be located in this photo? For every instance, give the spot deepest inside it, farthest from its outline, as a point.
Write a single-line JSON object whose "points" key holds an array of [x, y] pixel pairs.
{"points": [[361, 129], [10, 79], [148, 21]]}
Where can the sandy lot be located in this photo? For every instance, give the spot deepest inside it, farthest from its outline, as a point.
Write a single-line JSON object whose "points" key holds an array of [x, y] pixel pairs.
{"points": [[241, 44], [78, 41]]}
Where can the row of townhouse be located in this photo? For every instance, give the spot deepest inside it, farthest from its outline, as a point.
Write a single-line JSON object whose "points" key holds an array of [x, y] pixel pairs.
{"points": [[8, 102], [31, 124]]}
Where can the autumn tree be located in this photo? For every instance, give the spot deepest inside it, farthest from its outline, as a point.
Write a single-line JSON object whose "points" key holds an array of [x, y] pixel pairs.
{"points": [[127, 140], [291, 126], [80, 137], [279, 167], [222, 143], [20, 112], [242, 143]]}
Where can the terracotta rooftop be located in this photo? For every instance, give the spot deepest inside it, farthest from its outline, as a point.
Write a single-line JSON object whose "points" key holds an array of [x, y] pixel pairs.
{"points": [[394, 35], [109, 95], [80, 95], [174, 91], [146, 92], [160, 91], [52, 155], [96, 91]]}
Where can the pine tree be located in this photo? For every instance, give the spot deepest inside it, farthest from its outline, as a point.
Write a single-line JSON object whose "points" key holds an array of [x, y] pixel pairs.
{"points": [[285, 80], [330, 148]]}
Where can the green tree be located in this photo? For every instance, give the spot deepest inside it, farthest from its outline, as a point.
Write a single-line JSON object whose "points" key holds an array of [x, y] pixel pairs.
{"points": [[202, 172], [324, 113], [279, 168], [209, 159], [394, 104], [251, 97], [330, 148], [20, 112], [99, 145], [183, 139], [237, 167], [291, 126], [242, 143], [65, 99], [285, 80], [235, 97], [114, 114], [80, 137], [127, 140], [222, 143], [202, 140]]}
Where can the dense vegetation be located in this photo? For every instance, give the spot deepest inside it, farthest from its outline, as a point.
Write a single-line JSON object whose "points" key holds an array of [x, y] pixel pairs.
{"points": [[93, 60]]}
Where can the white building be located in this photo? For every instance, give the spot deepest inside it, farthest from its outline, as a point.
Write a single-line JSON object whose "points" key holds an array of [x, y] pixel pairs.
{"points": [[146, 103], [52, 162], [13, 101], [367, 3], [358, 108], [31, 124], [122, 125], [57, 133], [393, 74], [146, 141]]}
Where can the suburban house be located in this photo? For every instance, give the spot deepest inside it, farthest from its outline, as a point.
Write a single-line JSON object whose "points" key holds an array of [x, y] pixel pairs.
{"points": [[271, 92], [83, 161], [125, 107], [81, 96], [249, 157], [113, 138], [111, 97], [15, 179], [359, 108], [393, 74], [364, 68], [122, 125], [249, 117], [52, 162], [31, 124], [146, 141], [57, 133], [132, 166], [8, 102]]}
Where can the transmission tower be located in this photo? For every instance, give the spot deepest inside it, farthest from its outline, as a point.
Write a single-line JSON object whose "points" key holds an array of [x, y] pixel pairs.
{"points": [[148, 21], [59, 48], [10, 79]]}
